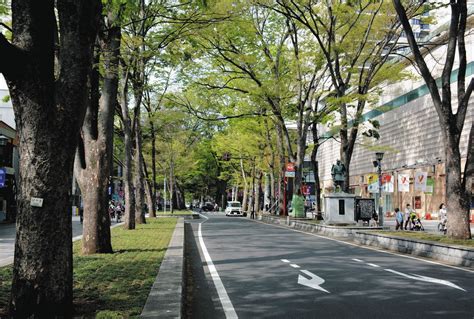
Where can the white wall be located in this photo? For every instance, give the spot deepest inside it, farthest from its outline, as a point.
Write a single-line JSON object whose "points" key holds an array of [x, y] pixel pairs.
{"points": [[6, 108]]}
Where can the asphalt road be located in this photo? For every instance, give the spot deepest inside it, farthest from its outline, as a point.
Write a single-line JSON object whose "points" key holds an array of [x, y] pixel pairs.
{"points": [[265, 271], [7, 239]]}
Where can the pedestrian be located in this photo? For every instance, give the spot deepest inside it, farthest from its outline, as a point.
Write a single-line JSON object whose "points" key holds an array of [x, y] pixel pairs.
{"points": [[81, 211], [443, 215], [398, 219], [408, 211], [216, 207]]}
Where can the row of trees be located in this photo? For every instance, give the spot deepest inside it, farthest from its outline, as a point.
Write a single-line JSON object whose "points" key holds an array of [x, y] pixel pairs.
{"points": [[97, 82]]}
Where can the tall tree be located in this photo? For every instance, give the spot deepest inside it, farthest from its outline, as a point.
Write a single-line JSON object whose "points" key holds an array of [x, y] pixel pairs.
{"points": [[96, 147], [458, 186], [49, 98], [355, 39]]}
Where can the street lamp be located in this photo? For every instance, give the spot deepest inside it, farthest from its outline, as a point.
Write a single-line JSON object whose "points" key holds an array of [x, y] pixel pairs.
{"points": [[379, 157], [3, 140]]}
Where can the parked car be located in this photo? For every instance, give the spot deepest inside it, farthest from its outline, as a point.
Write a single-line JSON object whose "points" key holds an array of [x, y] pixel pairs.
{"points": [[234, 209]]}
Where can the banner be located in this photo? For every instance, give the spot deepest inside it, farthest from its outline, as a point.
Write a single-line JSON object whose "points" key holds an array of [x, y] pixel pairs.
{"points": [[403, 182], [420, 181], [387, 183], [429, 186], [372, 183]]}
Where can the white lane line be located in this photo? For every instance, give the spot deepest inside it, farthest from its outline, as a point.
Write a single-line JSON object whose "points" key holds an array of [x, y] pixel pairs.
{"points": [[373, 265], [295, 266], [285, 260], [203, 216], [224, 298], [368, 248], [426, 279], [358, 260]]}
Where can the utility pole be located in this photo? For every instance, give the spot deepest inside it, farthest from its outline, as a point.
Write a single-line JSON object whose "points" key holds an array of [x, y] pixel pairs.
{"points": [[379, 157]]}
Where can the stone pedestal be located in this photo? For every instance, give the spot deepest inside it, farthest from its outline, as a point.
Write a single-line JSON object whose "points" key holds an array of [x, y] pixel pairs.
{"points": [[339, 209]]}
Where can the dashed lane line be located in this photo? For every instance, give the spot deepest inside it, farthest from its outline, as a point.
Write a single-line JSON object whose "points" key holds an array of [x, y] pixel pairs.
{"points": [[369, 248]]}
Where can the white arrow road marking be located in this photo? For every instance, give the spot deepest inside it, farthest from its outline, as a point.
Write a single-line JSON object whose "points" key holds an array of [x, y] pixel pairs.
{"points": [[426, 279], [314, 282]]}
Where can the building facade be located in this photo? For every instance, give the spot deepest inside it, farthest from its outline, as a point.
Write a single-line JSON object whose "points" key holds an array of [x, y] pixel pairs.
{"points": [[411, 139]]}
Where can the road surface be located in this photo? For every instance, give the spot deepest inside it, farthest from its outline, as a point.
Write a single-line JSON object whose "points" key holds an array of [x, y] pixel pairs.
{"points": [[238, 268], [7, 239]]}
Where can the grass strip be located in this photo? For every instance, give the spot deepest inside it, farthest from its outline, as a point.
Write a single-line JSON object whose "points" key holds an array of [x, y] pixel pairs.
{"points": [[113, 285], [176, 213], [441, 239]]}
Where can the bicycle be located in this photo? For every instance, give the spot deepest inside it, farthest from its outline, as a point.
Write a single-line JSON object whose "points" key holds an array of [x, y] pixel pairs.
{"points": [[442, 227]]}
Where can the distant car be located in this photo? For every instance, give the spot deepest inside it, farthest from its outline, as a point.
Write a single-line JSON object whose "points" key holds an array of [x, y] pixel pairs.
{"points": [[234, 209], [208, 207]]}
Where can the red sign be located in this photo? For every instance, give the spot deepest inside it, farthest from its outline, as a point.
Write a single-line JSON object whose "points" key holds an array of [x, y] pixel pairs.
{"points": [[290, 167], [306, 189]]}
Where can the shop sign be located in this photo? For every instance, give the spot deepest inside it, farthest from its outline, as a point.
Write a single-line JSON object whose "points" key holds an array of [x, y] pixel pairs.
{"points": [[290, 167]]}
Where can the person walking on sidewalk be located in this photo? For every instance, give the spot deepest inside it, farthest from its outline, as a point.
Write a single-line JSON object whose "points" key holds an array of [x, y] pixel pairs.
{"points": [[398, 219], [408, 211]]}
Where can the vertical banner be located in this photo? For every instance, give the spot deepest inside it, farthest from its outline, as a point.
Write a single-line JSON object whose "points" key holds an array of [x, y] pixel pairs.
{"points": [[403, 182], [429, 186], [387, 183], [420, 181], [372, 183]]}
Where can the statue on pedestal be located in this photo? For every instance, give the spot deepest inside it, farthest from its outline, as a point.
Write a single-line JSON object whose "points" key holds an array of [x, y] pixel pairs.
{"points": [[338, 173]]}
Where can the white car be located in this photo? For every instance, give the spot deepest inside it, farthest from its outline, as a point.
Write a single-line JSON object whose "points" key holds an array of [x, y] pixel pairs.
{"points": [[234, 209]]}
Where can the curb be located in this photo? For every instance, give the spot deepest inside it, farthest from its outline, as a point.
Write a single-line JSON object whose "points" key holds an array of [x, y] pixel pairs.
{"points": [[454, 255], [166, 294]]}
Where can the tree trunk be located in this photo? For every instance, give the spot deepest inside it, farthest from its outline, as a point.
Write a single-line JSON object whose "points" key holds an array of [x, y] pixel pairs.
{"points": [[257, 187], [245, 197], [151, 202], [139, 187], [129, 218], [457, 199], [97, 134], [48, 114], [171, 186], [153, 165]]}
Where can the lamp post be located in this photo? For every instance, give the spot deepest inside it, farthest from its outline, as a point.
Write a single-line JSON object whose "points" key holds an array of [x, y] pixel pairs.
{"points": [[379, 157], [3, 140]]}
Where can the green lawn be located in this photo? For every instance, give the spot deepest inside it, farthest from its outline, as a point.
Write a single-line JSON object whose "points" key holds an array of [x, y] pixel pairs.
{"points": [[114, 285], [430, 237]]}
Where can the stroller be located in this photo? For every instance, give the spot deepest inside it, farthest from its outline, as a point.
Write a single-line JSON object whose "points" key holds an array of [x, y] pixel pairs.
{"points": [[417, 225]]}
